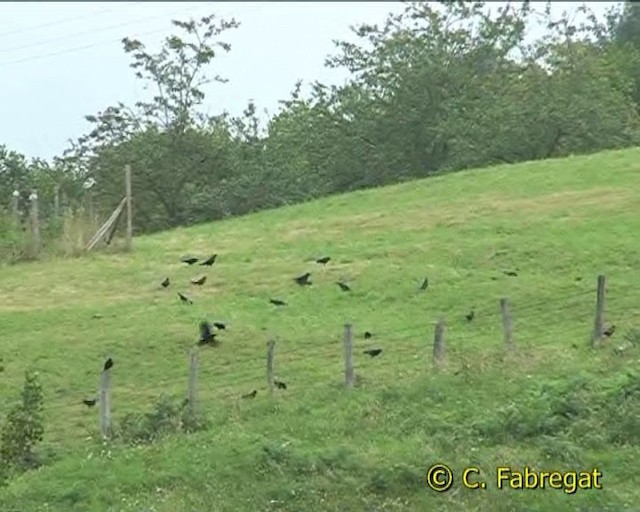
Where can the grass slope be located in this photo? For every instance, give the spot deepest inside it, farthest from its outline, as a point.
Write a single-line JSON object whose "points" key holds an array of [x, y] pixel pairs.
{"points": [[555, 403]]}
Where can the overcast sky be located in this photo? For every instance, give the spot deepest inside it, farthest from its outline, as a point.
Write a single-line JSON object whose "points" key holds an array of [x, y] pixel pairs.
{"points": [[62, 60]]}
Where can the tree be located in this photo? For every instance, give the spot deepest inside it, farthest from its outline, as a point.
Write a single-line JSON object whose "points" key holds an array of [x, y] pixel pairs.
{"points": [[161, 138]]}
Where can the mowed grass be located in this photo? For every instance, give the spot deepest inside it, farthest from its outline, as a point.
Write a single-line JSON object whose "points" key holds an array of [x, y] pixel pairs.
{"points": [[316, 446]]}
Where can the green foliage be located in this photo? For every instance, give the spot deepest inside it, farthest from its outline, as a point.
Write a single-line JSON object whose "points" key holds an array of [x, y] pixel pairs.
{"points": [[167, 417], [437, 88], [23, 428]]}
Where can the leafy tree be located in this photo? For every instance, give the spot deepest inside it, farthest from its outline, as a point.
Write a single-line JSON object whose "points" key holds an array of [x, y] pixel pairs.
{"points": [[162, 138]]}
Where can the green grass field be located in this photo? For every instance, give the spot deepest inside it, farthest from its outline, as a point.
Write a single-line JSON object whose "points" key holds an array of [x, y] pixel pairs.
{"points": [[555, 403]]}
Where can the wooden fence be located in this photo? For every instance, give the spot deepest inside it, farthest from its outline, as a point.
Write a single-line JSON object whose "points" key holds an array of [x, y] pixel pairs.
{"points": [[105, 232], [438, 356]]}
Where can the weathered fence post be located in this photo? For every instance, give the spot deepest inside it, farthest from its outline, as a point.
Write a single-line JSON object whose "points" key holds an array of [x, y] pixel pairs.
{"points": [[105, 404], [56, 202], [438, 343], [349, 373], [90, 210], [127, 182], [271, 345], [506, 323], [35, 223], [598, 327], [14, 209]]}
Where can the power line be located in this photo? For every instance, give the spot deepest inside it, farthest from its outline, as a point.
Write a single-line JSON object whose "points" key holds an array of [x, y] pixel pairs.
{"points": [[103, 29], [57, 22], [77, 49]]}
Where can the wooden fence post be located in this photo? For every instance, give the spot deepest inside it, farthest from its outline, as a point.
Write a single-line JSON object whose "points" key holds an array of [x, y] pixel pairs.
{"points": [[192, 393], [598, 327], [35, 223], [90, 210], [506, 323], [14, 209], [271, 345], [349, 373], [105, 404], [127, 182], [56, 202], [438, 343]]}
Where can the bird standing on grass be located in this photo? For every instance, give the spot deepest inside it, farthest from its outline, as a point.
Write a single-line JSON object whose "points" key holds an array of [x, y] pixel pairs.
{"points": [[373, 352], [209, 261], [470, 316], [189, 260], [324, 260], [184, 299], [199, 281], [108, 364], [303, 279], [609, 331], [165, 283], [343, 286], [425, 284], [206, 336]]}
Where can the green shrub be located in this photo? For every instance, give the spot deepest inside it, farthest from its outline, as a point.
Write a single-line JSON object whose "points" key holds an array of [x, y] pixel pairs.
{"points": [[23, 429]]}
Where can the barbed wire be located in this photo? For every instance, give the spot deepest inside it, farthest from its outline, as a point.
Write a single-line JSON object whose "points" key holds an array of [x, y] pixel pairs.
{"points": [[234, 379]]}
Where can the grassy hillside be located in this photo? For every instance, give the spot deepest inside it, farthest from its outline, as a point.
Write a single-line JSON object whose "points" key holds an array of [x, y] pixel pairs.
{"points": [[553, 404]]}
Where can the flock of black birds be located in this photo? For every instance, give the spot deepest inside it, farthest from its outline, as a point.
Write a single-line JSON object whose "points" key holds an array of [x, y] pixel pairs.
{"points": [[208, 336], [207, 333]]}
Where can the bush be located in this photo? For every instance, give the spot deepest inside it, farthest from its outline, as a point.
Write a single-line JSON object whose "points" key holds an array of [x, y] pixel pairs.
{"points": [[22, 430], [168, 417]]}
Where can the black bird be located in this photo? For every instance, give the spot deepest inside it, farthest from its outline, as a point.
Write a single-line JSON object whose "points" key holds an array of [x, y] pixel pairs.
{"points": [[609, 331], [250, 395], [373, 352], [277, 302], [199, 281], [108, 364], [470, 316], [579, 278], [166, 282], [324, 260], [511, 273], [367, 335], [209, 261], [90, 403], [219, 325], [279, 384], [184, 299], [189, 260], [206, 336], [425, 284], [303, 279], [343, 286]]}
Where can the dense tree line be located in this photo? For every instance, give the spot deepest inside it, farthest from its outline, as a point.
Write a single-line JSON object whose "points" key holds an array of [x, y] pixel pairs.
{"points": [[435, 89]]}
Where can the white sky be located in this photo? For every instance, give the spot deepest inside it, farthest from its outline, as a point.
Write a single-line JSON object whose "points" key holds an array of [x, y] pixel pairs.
{"points": [[62, 60]]}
